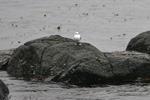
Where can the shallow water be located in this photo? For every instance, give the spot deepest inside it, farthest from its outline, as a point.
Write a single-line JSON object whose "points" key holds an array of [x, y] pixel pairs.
{"points": [[22, 90], [107, 24]]}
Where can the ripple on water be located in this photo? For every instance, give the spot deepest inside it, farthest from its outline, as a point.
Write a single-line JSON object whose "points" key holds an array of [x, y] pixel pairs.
{"points": [[23, 90]]}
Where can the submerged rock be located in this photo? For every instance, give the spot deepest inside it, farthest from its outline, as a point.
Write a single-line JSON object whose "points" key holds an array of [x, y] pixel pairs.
{"points": [[3, 91], [140, 43], [57, 59]]}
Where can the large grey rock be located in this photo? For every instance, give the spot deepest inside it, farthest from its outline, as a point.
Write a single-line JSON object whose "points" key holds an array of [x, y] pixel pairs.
{"points": [[51, 56], [57, 59], [3, 91], [140, 43]]}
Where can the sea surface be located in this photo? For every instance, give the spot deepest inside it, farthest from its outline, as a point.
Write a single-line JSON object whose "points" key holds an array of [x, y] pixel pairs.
{"points": [[107, 24], [23, 90]]}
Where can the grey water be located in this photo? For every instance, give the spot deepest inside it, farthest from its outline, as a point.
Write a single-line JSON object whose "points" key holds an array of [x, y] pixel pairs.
{"points": [[23, 90], [107, 24]]}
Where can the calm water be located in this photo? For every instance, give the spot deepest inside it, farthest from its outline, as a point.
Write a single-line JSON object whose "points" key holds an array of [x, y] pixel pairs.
{"points": [[97, 21], [107, 24]]}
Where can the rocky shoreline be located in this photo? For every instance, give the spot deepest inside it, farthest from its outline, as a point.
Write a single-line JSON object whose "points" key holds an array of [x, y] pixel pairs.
{"points": [[57, 59]]}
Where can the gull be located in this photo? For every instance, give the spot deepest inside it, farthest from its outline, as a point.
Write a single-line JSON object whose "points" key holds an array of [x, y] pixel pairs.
{"points": [[77, 38]]}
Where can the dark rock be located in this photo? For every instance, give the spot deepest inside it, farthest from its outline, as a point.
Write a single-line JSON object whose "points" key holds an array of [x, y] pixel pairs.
{"points": [[4, 57], [57, 59], [140, 43], [27, 61], [3, 91], [129, 66]]}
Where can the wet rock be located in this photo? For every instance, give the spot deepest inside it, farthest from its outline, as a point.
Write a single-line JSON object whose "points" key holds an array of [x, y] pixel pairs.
{"points": [[4, 57], [57, 59], [27, 60], [128, 66], [3, 91], [140, 43], [124, 67]]}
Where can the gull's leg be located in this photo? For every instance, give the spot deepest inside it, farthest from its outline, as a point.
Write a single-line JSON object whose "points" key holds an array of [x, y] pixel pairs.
{"points": [[75, 43], [80, 43]]}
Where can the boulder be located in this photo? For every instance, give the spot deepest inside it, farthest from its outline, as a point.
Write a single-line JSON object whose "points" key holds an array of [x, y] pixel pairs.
{"points": [[4, 57], [129, 67], [3, 91], [120, 68], [140, 43], [57, 59]]}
